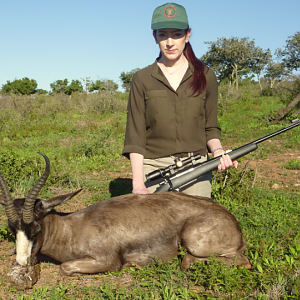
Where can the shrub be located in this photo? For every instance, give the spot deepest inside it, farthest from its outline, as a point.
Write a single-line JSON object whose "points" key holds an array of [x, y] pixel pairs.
{"points": [[293, 164], [14, 166], [268, 92]]}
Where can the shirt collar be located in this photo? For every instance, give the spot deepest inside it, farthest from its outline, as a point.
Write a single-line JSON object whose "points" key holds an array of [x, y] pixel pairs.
{"points": [[158, 74]]}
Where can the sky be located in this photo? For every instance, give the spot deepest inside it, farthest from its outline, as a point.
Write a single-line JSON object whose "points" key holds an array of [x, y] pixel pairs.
{"points": [[52, 40]]}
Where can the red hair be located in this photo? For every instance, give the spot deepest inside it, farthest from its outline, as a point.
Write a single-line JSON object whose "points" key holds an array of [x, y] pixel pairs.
{"points": [[198, 83]]}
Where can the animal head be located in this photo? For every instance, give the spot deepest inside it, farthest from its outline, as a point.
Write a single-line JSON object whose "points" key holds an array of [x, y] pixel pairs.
{"points": [[25, 215]]}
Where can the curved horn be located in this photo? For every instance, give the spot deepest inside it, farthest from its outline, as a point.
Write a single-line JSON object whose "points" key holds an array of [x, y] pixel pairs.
{"points": [[8, 201], [30, 199]]}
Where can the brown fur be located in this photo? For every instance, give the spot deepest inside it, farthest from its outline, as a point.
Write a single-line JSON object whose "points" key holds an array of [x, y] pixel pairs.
{"points": [[138, 228]]}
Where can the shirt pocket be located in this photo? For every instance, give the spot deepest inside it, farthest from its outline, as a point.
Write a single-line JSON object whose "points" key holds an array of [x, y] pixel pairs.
{"points": [[154, 100], [195, 105]]}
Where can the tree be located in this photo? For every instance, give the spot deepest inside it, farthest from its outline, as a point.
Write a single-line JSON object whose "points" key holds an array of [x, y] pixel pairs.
{"points": [[97, 85], [100, 85], [232, 57], [127, 78], [276, 72], [63, 86], [74, 86], [109, 85], [41, 92], [259, 68], [24, 86], [290, 55], [59, 86], [88, 83]]}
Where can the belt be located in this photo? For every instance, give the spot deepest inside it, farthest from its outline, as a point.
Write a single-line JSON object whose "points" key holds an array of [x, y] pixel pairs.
{"points": [[188, 154]]}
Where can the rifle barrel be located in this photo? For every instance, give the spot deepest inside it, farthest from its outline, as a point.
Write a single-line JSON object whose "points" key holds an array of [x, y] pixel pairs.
{"points": [[295, 123]]}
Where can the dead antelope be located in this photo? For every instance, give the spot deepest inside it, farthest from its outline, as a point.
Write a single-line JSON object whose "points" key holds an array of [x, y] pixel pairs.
{"points": [[118, 232]]}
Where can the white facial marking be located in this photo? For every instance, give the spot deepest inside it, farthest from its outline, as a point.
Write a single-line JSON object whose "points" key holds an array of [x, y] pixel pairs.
{"points": [[23, 248]]}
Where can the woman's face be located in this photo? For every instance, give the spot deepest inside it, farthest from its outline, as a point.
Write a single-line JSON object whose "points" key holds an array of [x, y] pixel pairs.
{"points": [[172, 42]]}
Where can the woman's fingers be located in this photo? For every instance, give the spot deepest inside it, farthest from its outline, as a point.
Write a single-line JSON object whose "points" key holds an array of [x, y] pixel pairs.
{"points": [[226, 163]]}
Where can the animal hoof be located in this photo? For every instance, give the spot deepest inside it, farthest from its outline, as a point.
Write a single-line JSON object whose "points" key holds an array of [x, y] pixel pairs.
{"points": [[187, 261], [129, 265], [247, 266], [23, 277]]}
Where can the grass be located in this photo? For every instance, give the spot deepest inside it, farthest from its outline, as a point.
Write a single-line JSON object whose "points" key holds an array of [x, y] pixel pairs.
{"points": [[293, 164], [83, 137]]}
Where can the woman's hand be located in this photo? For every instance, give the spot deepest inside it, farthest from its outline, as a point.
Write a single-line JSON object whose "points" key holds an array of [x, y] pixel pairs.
{"points": [[138, 185], [225, 161], [141, 189], [217, 150]]}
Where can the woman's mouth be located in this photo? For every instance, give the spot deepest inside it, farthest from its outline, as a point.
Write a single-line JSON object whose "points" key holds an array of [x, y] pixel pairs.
{"points": [[171, 51]]}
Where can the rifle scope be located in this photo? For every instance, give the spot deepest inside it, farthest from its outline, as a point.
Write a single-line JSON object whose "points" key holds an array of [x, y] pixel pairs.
{"points": [[162, 172]]}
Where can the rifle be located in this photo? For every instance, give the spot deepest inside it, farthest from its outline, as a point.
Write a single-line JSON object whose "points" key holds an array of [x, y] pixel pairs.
{"points": [[176, 180]]}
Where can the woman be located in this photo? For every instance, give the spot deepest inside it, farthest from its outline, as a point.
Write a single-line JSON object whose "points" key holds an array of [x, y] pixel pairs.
{"points": [[172, 107]]}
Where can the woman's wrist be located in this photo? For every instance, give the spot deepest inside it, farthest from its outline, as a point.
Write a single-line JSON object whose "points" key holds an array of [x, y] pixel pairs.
{"points": [[137, 182], [217, 150], [139, 188]]}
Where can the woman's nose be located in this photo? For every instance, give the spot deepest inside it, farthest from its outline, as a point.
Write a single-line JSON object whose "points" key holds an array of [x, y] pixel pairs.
{"points": [[169, 41]]}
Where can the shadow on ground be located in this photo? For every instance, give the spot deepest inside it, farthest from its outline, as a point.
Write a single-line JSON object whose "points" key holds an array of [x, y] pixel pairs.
{"points": [[120, 186]]}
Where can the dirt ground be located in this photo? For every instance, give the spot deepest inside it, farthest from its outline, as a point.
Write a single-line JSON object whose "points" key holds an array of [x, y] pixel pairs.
{"points": [[269, 172]]}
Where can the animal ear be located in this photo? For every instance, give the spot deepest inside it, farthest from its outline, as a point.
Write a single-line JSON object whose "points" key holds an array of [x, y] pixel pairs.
{"points": [[1, 200], [51, 203]]}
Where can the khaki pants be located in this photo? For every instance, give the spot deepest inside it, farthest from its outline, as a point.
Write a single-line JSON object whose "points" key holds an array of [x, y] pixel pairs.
{"points": [[198, 187]]}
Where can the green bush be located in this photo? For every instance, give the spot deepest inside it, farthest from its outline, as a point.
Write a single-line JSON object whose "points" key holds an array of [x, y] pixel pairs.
{"points": [[293, 164], [15, 165], [268, 92]]}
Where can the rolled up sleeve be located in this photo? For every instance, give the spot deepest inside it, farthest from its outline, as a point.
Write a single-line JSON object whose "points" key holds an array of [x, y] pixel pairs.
{"points": [[212, 128], [135, 136]]}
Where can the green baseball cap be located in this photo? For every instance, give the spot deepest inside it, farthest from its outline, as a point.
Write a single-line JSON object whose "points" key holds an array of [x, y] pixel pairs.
{"points": [[170, 15]]}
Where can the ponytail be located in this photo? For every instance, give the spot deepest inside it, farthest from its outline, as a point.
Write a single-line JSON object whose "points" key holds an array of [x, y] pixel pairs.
{"points": [[198, 83]]}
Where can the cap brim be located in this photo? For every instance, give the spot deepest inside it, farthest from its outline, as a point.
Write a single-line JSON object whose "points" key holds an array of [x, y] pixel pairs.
{"points": [[173, 24]]}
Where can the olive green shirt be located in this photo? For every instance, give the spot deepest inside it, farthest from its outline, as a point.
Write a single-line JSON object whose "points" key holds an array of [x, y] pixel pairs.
{"points": [[162, 121]]}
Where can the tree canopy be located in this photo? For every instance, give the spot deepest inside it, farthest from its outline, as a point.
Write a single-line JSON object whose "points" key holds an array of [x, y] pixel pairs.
{"points": [[24, 86], [127, 78], [63, 86], [109, 85], [232, 57], [74, 86], [59, 86], [276, 72], [290, 55], [97, 85]]}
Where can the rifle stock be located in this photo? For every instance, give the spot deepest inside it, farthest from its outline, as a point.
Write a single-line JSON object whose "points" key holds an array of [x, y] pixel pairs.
{"points": [[180, 179]]}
